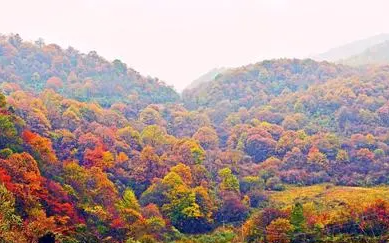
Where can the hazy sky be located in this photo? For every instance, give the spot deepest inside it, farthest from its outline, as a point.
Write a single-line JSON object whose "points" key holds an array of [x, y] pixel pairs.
{"points": [[179, 40]]}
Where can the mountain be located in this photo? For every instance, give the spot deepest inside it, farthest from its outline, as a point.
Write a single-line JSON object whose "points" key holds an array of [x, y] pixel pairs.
{"points": [[351, 49], [209, 76], [375, 55], [258, 83], [283, 150], [85, 77]]}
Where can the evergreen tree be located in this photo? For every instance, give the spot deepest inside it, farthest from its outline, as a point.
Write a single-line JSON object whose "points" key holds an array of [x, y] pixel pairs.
{"points": [[297, 218]]}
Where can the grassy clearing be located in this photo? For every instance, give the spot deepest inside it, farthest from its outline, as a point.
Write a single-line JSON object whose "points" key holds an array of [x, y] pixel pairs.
{"points": [[330, 196]]}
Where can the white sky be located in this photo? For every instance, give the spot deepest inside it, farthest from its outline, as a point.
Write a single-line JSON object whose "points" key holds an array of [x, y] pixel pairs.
{"points": [[179, 40]]}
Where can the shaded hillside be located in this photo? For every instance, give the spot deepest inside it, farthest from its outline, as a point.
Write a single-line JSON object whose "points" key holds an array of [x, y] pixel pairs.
{"points": [[375, 55], [351, 49], [85, 77], [209, 76]]}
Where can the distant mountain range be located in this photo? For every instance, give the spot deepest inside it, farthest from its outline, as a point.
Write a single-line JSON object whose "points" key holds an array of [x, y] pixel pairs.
{"points": [[209, 76], [351, 49], [375, 55]]}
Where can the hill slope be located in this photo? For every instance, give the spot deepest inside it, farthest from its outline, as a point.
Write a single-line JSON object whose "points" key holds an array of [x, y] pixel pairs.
{"points": [[258, 83], [351, 49], [209, 76], [85, 77], [375, 55], [259, 147]]}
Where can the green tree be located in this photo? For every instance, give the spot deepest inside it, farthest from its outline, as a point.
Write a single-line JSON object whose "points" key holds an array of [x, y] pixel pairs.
{"points": [[229, 182], [153, 135], [297, 218], [2, 101], [129, 206], [10, 223], [8, 131], [150, 116], [129, 200]]}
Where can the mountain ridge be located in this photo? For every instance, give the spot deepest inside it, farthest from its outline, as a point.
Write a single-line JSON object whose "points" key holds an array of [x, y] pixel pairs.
{"points": [[208, 76], [76, 75], [375, 55], [350, 49]]}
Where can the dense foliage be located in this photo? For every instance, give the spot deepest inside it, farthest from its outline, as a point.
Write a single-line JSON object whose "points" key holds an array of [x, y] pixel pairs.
{"points": [[85, 77], [243, 159], [259, 83]]}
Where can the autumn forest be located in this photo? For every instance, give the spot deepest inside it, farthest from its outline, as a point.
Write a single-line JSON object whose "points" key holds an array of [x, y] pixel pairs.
{"points": [[280, 151]]}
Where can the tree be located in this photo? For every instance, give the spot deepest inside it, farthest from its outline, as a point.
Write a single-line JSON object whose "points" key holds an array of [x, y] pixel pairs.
{"points": [[251, 183], [188, 209], [294, 159], [129, 200], [278, 231], [229, 182], [181, 206], [289, 123], [149, 166], [342, 156], [207, 137], [15, 40], [23, 170], [316, 159], [129, 206], [41, 146], [383, 113], [364, 157], [150, 116], [2, 101], [8, 132], [206, 203], [184, 172], [375, 217], [254, 229], [260, 148], [54, 83], [98, 157], [130, 136], [151, 210], [119, 66], [182, 209], [232, 209], [153, 135], [10, 222], [297, 218], [189, 152]]}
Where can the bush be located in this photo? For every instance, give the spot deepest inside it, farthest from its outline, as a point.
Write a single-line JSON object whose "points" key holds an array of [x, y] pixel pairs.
{"points": [[275, 184]]}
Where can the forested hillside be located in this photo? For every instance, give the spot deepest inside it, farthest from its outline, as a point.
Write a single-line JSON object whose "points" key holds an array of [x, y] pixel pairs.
{"points": [[375, 55], [279, 151], [84, 77], [257, 84]]}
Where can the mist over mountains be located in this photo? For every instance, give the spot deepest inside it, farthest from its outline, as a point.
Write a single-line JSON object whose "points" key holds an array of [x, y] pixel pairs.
{"points": [[370, 51], [351, 49]]}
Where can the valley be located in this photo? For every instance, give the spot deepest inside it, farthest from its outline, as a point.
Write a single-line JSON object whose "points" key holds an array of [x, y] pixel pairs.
{"points": [[278, 151]]}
